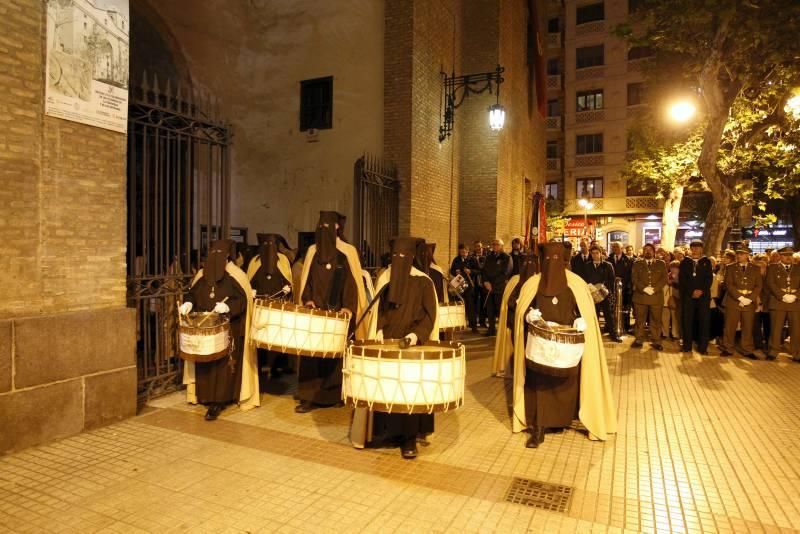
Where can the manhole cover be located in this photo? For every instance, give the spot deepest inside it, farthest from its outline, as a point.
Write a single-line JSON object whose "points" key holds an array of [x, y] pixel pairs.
{"points": [[551, 497]]}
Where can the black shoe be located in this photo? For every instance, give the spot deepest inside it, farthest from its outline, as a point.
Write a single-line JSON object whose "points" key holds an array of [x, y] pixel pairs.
{"points": [[615, 339], [213, 412], [636, 344], [409, 449], [750, 356], [724, 352], [703, 352], [490, 333], [684, 349], [474, 329], [771, 357], [657, 346], [536, 438], [303, 407]]}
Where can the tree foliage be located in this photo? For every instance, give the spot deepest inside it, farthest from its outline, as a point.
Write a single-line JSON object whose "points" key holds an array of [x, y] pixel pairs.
{"points": [[740, 61]]}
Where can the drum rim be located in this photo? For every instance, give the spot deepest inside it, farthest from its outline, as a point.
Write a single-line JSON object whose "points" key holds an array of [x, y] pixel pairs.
{"points": [[203, 358], [276, 304], [298, 352], [370, 348], [402, 408], [225, 323]]}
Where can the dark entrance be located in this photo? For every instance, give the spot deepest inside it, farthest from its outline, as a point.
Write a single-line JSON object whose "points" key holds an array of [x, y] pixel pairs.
{"points": [[178, 182], [376, 208]]}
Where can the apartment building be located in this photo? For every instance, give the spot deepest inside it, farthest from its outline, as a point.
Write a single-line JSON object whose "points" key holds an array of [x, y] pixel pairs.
{"points": [[595, 87]]}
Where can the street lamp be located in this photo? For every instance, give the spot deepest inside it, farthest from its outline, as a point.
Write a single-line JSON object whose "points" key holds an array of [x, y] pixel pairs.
{"points": [[586, 205], [456, 88], [682, 111], [793, 106]]}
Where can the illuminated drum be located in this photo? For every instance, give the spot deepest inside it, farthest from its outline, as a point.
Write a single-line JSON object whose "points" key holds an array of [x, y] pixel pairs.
{"points": [[553, 346], [452, 317], [420, 379], [285, 327], [204, 337]]}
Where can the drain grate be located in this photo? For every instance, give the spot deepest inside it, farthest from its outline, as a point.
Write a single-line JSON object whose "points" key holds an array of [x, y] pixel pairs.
{"points": [[551, 497]]}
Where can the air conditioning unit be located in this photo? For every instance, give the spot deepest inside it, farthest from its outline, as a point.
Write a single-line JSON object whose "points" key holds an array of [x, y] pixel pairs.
{"points": [[312, 135]]}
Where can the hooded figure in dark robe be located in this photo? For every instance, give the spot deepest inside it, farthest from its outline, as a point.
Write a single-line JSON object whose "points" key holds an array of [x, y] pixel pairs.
{"points": [[218, 382], [330, 284], [407, 310], [424, 262], [270, 276], [551, 396]]}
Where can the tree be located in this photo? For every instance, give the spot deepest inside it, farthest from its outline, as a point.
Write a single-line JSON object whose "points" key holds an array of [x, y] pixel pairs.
{"points": [[740, 58]]}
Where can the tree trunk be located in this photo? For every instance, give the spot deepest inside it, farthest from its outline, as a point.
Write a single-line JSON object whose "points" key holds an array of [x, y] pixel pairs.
{"points": [[720, 218], [669, 219]]}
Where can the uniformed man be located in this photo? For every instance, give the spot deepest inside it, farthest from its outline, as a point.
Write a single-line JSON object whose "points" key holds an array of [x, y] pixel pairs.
{"points": [[742, 290], [695, 277], [783, 281], [649, 276]]}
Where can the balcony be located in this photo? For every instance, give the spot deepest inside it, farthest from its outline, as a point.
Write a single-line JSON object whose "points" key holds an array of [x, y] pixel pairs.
{"points": [[588, 28], [594, 115], [553, 124], [553, 164], [572, 205], [590, 73], [589, 160], [554, 40], [554, 82]]}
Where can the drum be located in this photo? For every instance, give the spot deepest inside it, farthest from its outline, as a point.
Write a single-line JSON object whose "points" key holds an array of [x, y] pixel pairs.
{"points": [[204, 342], [599, 292], [421, 379], [286, 327], [554, 346], [452, 317]]}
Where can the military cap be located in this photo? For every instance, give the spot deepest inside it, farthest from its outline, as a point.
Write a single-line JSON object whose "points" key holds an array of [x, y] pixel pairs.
{"points": [[786, 251], [696, 243]]}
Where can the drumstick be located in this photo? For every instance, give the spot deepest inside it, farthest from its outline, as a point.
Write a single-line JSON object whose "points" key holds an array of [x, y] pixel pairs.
{"points": [[209, 315]]}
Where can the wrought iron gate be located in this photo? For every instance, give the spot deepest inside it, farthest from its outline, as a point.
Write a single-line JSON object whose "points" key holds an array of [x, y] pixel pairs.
{"points": [[376, 208], [178, 193]]}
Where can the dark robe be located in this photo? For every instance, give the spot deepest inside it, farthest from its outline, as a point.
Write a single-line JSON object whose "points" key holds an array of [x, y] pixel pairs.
{"points": [[552, 401], [220, 381], [417, 314], [268, 284], [438, 284], [319, 380]]}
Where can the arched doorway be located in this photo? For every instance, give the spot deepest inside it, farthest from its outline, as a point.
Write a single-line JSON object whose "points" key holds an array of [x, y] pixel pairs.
{"points": [[178, 193]]}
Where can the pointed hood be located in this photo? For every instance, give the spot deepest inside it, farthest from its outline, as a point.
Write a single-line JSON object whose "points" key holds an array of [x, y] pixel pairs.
{"points": [[403, 251], [325, 237], [221, 251], [554, 270]]}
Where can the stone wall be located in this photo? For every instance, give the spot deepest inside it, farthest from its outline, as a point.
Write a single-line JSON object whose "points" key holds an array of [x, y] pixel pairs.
{"points": [[62, 254]]}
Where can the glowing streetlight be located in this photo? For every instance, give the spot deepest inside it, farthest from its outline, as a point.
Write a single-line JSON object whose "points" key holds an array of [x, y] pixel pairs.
{"points": [[586, 205], [682, 111], [793, 106], [497, 117]]}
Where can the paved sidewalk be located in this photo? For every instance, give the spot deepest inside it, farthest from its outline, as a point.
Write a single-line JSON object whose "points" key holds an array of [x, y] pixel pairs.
{"points": [[704, 445]]}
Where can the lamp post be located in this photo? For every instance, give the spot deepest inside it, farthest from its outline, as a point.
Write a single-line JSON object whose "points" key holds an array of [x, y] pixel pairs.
{"points": [[457, 88], [586, 205]]}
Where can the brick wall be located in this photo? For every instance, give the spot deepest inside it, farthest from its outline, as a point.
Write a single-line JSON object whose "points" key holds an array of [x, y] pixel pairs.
{"points": [[67, 356]]}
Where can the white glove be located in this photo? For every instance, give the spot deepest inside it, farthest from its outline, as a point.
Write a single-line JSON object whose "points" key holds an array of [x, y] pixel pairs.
{"points": [[185, 308], [533, 315], [379, 335], [286, 289], [221, 307], [412, 339], [579, 324], [788, 298], [255, 293], [744, 301], [649, 290]]}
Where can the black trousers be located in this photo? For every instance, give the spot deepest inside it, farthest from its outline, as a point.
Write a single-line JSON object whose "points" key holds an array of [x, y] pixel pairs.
{"points": [[761, 330], [695, 322], [493, 307], [469, 306], [608, 314]]}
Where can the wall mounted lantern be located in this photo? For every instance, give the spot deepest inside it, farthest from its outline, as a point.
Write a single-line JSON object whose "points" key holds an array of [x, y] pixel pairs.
{"points": [[457, 88]]}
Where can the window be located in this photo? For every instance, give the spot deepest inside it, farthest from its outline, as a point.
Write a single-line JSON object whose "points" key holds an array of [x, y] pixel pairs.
{"points": [[552, 149], [633, 5], [640, 190], [589, 56], [640, 52], [316, 104], [553, 25], [635, 94], [553, 67], [589, 187], [551, 191], [590, 13], [589, 100], [588, 144], [553, 108]]}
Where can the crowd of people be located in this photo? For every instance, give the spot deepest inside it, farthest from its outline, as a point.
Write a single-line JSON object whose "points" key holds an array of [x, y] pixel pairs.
{"points": [[739, 301]]}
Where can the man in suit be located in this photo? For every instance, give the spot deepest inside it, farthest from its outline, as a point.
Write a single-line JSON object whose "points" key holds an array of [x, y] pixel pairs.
{"points": [[695, 277], [623, 266], [496, 271], [649, 276], [581, 260], [596, 272], [783, 281], [742, 290]]}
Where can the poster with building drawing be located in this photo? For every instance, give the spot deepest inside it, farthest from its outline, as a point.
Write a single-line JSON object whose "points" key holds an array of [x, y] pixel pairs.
{"points": [[87, 62]]}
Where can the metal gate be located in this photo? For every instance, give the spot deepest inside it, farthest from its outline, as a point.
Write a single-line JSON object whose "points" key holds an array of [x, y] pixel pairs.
{"points": [[178, 194], [376, 208]]}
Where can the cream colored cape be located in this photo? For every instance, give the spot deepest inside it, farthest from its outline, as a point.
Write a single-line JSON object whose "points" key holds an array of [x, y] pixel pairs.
{"points": [[283, 267], [297, 275], [354, 263], [444, 282], [503, 345], [249, 395], [596, 410], [361, 427], [369, 287]]}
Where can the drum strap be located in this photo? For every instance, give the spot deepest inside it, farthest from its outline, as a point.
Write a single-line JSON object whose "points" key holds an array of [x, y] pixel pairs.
{"points": [[335, 294]]}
